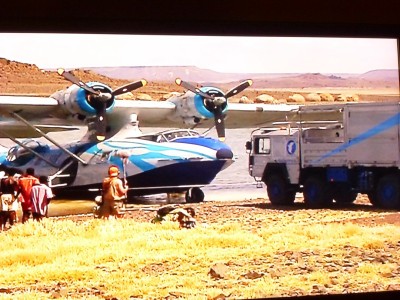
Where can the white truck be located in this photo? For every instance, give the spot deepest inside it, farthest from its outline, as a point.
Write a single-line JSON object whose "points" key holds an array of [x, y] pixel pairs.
{"points": [[331, 153]]}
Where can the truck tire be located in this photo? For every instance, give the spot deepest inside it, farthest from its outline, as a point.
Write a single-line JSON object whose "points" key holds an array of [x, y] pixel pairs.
{"points": [[342, 193], [372, 198], [388, 192], [279, 191], [317, 192]]}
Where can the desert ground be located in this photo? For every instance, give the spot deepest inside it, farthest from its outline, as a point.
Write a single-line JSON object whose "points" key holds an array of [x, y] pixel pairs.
{"points": [[352, 249], [215, 210]]}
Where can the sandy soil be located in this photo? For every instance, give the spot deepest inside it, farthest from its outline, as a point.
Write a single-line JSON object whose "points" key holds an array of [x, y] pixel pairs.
{"points": [[215, 211], [253, 214]]}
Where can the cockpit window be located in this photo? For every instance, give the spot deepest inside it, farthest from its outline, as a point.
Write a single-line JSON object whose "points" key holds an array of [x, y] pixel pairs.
{"points": [[21, 154], [169, 135]]}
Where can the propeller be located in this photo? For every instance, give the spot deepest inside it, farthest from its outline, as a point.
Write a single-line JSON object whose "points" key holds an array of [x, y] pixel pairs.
{"points": [[215, 102], [70, 77], [99, 99], [241, 87]]}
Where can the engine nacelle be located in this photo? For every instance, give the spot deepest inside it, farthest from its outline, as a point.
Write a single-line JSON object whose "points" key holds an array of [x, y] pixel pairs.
{"points": [[79, 103], [192, 108]]}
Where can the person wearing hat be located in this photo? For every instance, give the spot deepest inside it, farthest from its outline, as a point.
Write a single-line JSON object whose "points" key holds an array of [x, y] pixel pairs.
{"points": [[113, 190]]}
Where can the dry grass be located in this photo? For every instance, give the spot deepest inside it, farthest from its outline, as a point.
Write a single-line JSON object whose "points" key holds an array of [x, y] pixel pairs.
{"points": [[267, 253]]}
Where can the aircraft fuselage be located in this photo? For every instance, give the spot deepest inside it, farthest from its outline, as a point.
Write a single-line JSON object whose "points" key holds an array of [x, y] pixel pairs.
{"points": [[149, 167]]}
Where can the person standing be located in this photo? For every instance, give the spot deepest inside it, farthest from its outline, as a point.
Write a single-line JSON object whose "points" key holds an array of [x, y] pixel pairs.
{"points": [[113, 190], [9, 199], [41, 195], [25, 184]]}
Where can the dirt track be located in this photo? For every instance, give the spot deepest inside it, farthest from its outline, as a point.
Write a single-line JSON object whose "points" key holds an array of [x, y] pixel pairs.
{"points": [[360, 212]]}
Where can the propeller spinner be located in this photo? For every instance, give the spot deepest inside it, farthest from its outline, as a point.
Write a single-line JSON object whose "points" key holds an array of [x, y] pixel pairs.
{"points": [[99, 99], [215, 103]]}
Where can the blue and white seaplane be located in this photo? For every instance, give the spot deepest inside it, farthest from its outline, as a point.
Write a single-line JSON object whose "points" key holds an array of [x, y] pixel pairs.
{"points": [[173, 161]]}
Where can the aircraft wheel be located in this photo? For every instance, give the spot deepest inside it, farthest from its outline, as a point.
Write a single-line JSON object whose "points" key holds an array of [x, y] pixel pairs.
{"points": [[279, 191], [388, 192], [194, 195], [317, 193]]}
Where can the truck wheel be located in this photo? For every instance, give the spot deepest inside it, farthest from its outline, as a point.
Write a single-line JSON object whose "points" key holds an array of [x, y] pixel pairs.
{"points": [[317, 192], [372, 198], [194, 195], [279, 191], [343, 194], [388, 192]]}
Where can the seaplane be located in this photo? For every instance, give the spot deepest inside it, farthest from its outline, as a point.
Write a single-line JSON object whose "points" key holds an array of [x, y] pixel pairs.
{"points": [[173, 161]]}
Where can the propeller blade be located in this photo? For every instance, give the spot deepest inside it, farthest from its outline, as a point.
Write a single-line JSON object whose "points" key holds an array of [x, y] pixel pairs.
{"points": [[236, 90], [219, 123], [129, 87], [192, 88], [70, 77], [100, 123]]}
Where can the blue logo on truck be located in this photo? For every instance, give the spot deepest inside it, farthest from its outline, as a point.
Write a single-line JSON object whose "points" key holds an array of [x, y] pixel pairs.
{"points": [[291, 147]]}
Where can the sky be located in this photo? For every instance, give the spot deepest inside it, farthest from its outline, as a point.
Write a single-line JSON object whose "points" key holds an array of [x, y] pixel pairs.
{"points": [[232, 54]]}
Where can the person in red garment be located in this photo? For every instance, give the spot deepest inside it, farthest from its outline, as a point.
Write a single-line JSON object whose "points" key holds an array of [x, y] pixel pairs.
{"points": [[25, 184], [41, 195]]}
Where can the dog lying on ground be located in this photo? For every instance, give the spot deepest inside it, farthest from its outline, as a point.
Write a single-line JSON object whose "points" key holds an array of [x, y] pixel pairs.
{"points": [[183, 215]]}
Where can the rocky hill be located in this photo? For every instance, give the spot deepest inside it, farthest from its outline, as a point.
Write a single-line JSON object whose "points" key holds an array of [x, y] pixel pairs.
{"points": [[28, 79], [372, 79]]}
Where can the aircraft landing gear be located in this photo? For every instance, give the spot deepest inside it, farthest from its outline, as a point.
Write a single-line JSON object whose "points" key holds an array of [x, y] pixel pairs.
{"points": [[194, 195]]}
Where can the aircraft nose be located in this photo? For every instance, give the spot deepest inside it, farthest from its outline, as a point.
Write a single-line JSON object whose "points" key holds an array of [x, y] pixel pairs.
{"points": [[224, 154]]}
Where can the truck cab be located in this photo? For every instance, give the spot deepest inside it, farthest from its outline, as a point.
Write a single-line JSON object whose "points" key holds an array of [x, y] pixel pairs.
{"points": [[274, 158]]}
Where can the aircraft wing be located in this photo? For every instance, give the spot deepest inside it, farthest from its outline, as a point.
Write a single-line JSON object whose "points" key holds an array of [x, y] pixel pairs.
{"points": [[149, 113], [255, 115], [163, 114], [49, 114], [238, 115], [20, 130], [96, 106], [37, 110], [27, 106]]}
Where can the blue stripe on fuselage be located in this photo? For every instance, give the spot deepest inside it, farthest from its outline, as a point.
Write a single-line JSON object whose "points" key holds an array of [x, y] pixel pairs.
{"points": [[203, 141], [385, 125], [156, 147], [155, 152]]}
